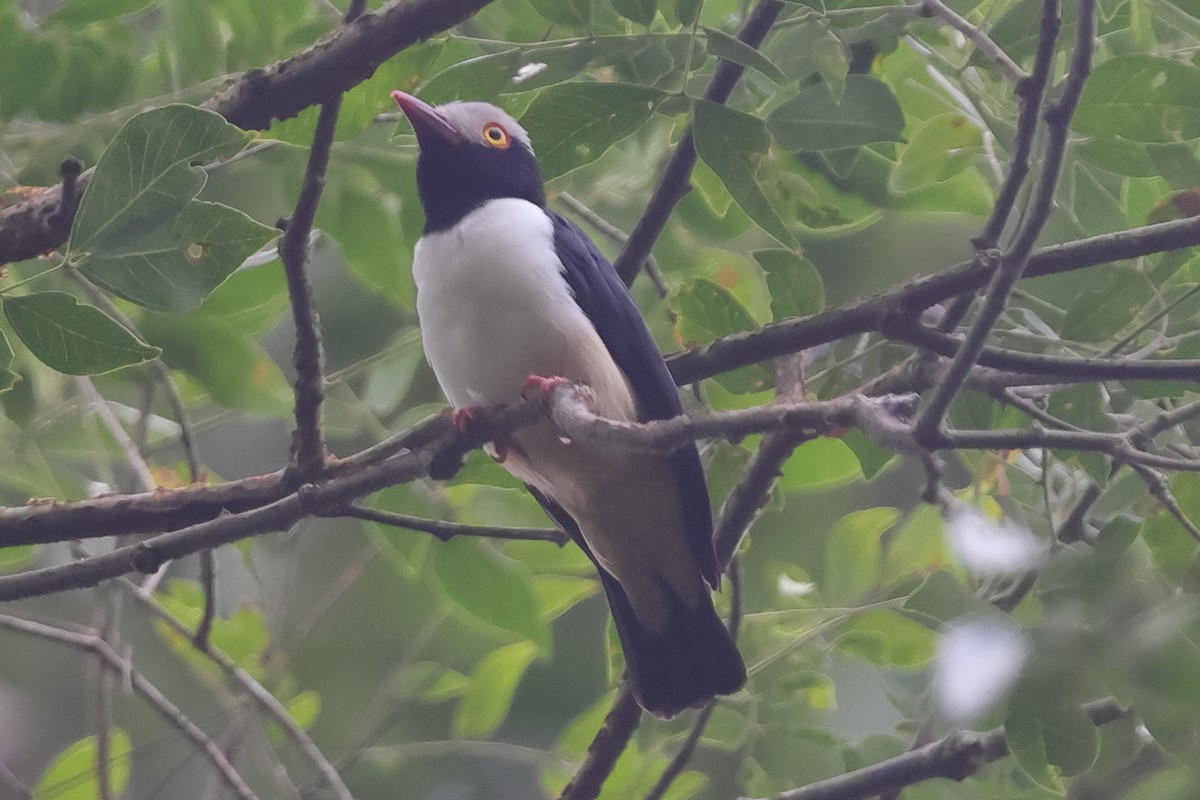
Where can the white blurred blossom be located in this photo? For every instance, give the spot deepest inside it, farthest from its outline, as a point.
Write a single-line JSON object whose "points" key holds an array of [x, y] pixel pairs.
{"points": [[977, 662], [987, 547]]}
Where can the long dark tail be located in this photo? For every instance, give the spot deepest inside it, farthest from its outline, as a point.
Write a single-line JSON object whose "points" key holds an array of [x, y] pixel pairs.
{"points": [[688, 663]]}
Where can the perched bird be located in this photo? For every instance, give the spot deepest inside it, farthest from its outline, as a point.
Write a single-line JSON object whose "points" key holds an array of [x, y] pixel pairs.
{"points": [[508, 291]]}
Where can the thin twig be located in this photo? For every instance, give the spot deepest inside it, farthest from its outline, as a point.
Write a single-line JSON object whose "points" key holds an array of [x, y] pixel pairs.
{"points": [[308, 445], [1015, 259], [984, 43], [606, 747], [133, 458], [956, 756], [1031, 90], [445, 531], [266, 701], [149, 692], [650, 265], [876, 314]]}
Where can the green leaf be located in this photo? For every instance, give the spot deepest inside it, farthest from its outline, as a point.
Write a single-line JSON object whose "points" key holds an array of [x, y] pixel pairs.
{"points": [[72, 773], [823, 463], [852, 554], [706, 310], [795, 285], [940, 149], [491, 588], [77, 13], [73, 338], [640, 11], [1016, 32], [1049, 736], [867, 112], [573, 124], [14, 557], [147, 175], [1142, 98], [731, 144], [891, 638], [1106, 304], [493, 683], [7, 377], [558, 593], [730, 48], [565, 12], [226, 362], [176, 265], [304, 708]]}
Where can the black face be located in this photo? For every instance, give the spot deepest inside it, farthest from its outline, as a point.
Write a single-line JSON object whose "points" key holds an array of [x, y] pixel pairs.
{"points": [[470, 153], [455, 178]]}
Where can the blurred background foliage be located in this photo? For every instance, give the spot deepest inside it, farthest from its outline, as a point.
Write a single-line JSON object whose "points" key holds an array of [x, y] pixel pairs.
{"points": [[865, 136]]}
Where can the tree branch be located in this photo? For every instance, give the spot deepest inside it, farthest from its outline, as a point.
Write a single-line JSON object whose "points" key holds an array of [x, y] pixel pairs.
{"points": [[267, 702], [674, 182], [1012, 264], [984, 43], [865, 316], [93, 644], [956, 756], [332, 65], [445, 531], [610, 741]]}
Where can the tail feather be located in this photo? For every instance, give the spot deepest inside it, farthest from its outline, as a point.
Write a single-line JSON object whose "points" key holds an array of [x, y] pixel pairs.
{"points": [[691, 661], [686, 665]]}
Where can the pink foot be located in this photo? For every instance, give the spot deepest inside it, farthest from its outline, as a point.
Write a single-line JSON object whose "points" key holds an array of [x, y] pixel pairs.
{"points": [[464, 418], [540, 386]]}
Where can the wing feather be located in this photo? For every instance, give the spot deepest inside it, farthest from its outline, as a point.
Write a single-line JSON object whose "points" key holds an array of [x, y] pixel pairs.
{"points": [[605, 300]]}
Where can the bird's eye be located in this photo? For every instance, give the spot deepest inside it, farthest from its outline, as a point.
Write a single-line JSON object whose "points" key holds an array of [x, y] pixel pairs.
{"points": [[495, 135]]}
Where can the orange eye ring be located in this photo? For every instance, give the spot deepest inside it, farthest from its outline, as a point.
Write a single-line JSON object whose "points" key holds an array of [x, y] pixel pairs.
{"points": [[495, 135]]}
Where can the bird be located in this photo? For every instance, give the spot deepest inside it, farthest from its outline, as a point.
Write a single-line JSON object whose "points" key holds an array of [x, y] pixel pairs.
{"points": [[513, 297]]}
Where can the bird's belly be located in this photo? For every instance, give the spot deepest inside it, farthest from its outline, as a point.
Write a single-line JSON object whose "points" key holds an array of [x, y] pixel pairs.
{"points": [[495, 308]]}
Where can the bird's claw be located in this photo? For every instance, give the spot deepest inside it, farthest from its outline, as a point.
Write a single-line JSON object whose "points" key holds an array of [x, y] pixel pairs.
{"points": [[540, 386], [464, 419]]}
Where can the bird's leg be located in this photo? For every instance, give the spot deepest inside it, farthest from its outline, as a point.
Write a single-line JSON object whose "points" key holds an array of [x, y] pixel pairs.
{"points": [[464, 419], [540, 386]]}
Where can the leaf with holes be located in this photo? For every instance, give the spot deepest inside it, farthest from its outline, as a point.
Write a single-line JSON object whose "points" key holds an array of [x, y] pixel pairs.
{"points": [[148, 173], [731, 144], [73, 338], [176, 265]]}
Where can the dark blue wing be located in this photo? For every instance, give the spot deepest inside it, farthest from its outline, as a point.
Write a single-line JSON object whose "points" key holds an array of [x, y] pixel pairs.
{"points": [[603, 297]]}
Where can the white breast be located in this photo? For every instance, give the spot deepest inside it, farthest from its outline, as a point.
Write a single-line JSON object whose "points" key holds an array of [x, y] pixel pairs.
{"points": [[495, 308]]}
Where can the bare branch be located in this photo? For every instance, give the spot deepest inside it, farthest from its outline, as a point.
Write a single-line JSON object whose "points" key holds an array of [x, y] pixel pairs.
{"points": [[93, 644], [571, 412], [1015, 259], [984, 43], [334, 64], [445, 531], [956, 756], [610, 741], [266, 701], [308, 446], [798, 333]]}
